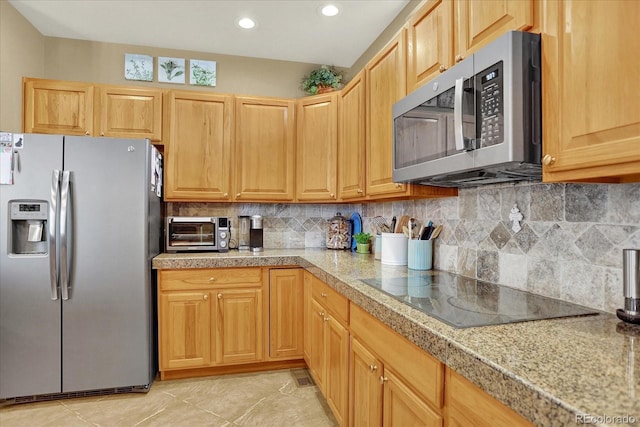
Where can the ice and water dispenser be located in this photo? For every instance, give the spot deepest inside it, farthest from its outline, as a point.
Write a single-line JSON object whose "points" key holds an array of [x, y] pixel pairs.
{"points": [[28, 224]]}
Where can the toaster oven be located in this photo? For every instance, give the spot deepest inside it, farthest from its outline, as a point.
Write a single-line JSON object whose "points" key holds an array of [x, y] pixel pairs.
{"points": [[197, 234]]}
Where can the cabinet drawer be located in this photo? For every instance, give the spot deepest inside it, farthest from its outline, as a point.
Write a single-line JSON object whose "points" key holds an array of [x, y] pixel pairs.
{"points": [[206, 278], [419, 370], [331, 300]]}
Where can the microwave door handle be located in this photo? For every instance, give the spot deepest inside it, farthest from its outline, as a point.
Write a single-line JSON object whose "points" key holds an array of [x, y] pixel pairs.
{"points": [[457, 114], [53, 230]]}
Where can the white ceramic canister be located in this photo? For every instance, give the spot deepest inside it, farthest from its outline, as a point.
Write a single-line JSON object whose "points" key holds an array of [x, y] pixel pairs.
{"points": [[394, 249]]}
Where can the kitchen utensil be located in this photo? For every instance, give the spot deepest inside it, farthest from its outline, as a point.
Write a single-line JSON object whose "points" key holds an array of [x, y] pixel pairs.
{"points": [[393, 225], [426, 232], [436, 232], [356, 222], [402, 222], [405, 231], [380, 224]]}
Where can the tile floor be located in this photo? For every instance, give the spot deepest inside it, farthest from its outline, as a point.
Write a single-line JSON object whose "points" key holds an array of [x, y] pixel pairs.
{"points": [[272, 398]]}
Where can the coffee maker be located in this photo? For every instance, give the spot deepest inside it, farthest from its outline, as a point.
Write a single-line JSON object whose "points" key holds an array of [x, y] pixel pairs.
{"points": [[244, 237], [255, 233]]}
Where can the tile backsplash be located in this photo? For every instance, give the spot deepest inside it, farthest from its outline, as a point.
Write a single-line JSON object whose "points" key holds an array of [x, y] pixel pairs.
{"points": [[569, 247]]}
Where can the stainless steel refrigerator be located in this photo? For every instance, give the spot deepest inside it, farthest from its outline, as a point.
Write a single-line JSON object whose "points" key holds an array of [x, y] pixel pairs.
{"points": [[79, 225]]}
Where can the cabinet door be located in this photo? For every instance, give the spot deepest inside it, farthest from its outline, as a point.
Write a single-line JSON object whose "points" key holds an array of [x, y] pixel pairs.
{"points": [[58, 107], [351, 139], [317, 350], [337, 368], [308, 307], [591, 113], [317, 148], [365, 390], [480, 22], [264, 149], [184, 330], [238, 326], [385, 80], [402, 407], [430, 42], [285, 313], [130, 112], [198, 150]]}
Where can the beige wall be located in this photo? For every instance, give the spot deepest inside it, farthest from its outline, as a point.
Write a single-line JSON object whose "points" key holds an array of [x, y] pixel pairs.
{"points": [[21, 54], [97, 62]]}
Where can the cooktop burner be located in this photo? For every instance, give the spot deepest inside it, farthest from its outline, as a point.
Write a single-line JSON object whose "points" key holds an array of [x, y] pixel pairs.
{"points": [[463, 302]]}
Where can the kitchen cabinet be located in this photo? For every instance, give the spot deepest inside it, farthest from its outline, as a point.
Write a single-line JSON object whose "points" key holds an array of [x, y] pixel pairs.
{"points": [[430, 42], [264, 149], [57, 107], [351, 139], [72, 108], [385, 85], [329, 342], [384, 389], [469, 405], [286, 313], [210, 317], [591, 130], [198, 147], [316, 149], [479, 22]]}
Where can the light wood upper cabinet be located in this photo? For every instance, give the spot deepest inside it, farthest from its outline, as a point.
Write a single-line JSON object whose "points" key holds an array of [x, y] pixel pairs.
{"points": [[264, 149], [185, 330], [317, 147], [129, 112], [286, 313], [351, 139], [430, 42], [386, 84], [198, 149], [480, 22], [591, 113], [468, 405], [57, 107]]}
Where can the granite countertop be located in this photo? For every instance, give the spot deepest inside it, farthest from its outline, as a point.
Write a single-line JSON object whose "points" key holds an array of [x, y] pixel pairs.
{"points": [[559, 372]]}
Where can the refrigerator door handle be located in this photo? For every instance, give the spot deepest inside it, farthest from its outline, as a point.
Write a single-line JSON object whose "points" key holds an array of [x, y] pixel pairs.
{"points": [[65, 234], [53, 228]]}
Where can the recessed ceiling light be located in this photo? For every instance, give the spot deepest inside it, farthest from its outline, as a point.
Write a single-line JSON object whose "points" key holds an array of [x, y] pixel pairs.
{"points": [[246, 23], [330, 10]]}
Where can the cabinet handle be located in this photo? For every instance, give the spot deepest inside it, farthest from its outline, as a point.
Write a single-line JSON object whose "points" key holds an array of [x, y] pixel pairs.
{"points": [[326, 319], [212, 279], [220, 295], [225, 194], [360, 191], [237, 195], [383, 379], [548, 160], [442, 69], [86, 133], [373, 368], [323, 295], [101, 133], [321, 313], [205, 297], [398, 185], [459, 58]]}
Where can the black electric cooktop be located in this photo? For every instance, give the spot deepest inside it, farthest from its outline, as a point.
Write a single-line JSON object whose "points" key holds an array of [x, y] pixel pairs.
{"points": [[463, 302]]}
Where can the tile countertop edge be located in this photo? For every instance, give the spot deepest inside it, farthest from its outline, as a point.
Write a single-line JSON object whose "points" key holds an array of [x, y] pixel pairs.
{"points": [[533, 402]]}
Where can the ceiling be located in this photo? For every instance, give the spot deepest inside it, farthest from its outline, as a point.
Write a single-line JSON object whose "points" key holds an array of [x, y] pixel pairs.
{"points": [[290, 30]]}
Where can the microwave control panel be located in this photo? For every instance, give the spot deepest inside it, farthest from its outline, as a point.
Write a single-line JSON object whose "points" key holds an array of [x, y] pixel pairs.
{"points": [[490, 83]]}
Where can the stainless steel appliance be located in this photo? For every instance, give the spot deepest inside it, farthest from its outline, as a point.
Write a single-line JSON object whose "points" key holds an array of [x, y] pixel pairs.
{"points": [[78, 229], [244, 236], [477, 123], [198, 233], [256, 233], [631, 286]]}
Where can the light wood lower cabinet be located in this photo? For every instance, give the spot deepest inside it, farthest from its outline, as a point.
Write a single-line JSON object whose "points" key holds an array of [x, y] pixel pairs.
{"points": [[285, 313], [468, 405], [392, 382], [329, 341], [210, 317]]}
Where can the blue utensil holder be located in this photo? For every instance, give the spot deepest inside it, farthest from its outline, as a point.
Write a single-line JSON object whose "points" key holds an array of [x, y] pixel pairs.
{"points": [[420, 254]]}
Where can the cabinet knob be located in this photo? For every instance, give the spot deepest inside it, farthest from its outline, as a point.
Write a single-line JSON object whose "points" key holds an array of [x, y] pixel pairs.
{"points": [[212, 279], [326, 319], [86, 133], [373, 368], [220, 295], [321, 313], [360, 191], [398, 185], [333, 196], [101, 133], [548, 160], [205, 297], [225, 195], [323, 295], [442, 69], [237, 194], [383, 379], [459, 58]]}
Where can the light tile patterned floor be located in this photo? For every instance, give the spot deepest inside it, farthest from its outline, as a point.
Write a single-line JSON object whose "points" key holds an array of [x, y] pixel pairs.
{"points": [[263, 399]]}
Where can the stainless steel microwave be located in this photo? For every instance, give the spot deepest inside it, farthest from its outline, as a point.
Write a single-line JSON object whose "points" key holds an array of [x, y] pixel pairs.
{"points": [[477, 123], [199, 234]]}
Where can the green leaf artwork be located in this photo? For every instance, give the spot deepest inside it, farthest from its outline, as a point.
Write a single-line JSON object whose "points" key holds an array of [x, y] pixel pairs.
{"points": [[171, 70], [203, 73], [138, 67]]}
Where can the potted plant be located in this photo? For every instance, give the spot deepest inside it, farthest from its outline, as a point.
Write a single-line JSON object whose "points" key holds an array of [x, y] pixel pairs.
{"points": [[362, 242], [321, 80]]}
